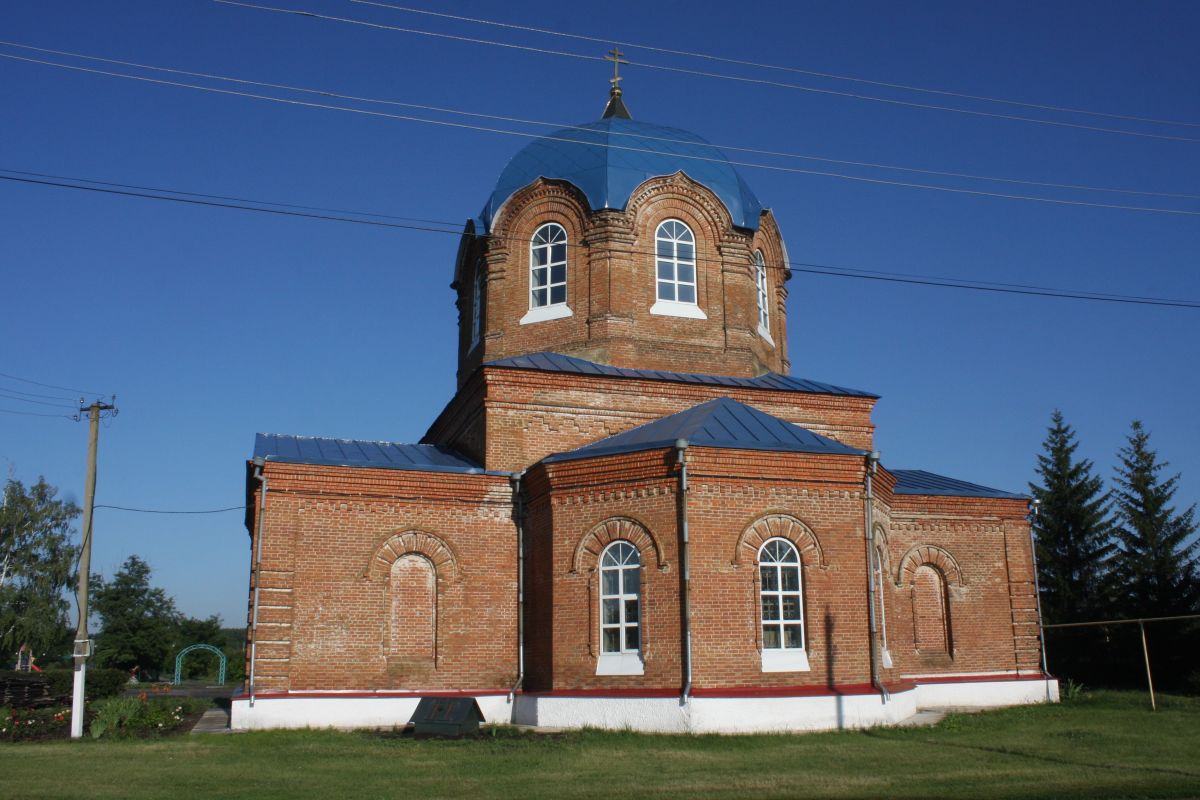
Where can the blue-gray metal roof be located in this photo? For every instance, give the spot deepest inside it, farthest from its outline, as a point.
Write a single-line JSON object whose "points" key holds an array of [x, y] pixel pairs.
{"points": [[557, 362], [724, 423], [357, 453], [918, 481], [609, 158]]}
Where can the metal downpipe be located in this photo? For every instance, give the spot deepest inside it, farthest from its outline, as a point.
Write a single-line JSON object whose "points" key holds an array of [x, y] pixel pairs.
{"points": [[259, 463], [869, 516], [519, 514], [685, 561]]}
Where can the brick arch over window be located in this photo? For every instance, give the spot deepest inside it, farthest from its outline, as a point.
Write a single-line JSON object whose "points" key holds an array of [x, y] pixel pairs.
{"points": [[928, 555], [410, 542], [587, 552], [783, 526]]}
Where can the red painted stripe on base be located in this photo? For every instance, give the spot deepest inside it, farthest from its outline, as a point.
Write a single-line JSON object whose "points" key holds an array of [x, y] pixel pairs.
{"points": [[788, 691], [607, 693], [382, 694]]}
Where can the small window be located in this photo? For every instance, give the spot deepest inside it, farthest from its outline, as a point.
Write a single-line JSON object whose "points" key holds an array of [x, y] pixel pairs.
{"points": [[547, 274], [675, 249], [477, 303], [764, 298], [548, 267], [781, 604], [620, 610]]}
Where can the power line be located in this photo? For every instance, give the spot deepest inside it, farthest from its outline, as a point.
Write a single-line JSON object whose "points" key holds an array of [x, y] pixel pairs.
{"points": [[795, 266], [35, 394], [523, 134], [160, 511], [46, 385], [457, 230], [7, 396], [563, 127], [33, 414], [708, 74], [759, 65]]}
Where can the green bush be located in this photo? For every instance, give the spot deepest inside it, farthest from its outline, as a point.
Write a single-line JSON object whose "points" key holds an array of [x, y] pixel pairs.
{"points": [[128, 717], [101, 683]]}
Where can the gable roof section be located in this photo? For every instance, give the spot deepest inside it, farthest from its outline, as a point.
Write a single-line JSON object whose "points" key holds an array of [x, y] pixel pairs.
{"points": [[918, 481], [557, 362], [723, 423], [358, 453]]}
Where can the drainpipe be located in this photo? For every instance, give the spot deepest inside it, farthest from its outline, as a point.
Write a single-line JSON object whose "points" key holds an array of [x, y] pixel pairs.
{"points": [[259, 463], [685, 600], [872, 465], [519, 514]]}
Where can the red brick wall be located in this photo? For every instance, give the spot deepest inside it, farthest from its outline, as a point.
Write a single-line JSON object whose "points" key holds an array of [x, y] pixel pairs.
{"points": [[528, 414], [330, 539]]}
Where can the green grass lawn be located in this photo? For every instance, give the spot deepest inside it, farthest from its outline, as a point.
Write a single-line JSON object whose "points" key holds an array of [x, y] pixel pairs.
{"points": [[1106, 744]]}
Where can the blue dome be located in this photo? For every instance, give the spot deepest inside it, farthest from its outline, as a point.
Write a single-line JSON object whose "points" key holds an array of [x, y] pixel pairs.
{"points": [[608, 159]]}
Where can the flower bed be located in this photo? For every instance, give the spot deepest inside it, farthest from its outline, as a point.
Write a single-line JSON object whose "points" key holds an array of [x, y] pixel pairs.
{"points": [[140, 717]]}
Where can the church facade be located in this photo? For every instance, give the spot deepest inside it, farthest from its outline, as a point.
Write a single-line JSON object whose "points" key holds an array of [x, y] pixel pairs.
{"points": [[630, 514]]}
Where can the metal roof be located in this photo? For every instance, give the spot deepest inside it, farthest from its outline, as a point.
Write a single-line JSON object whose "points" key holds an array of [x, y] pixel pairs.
{"points": [[557, 362], [357, 453], [918, 481], [724, 423], [611, 157]]}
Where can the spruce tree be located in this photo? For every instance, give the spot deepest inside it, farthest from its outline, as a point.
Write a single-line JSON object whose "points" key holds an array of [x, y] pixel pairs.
{"points": [[1155, 566], [1073, 529]]}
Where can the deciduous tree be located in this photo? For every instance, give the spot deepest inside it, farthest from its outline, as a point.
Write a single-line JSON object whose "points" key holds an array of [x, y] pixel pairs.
{"points": [[37, 565]]}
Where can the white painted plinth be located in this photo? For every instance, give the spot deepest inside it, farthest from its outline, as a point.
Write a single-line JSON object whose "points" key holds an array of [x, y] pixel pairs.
{"points": [[987, 694], [715, 714], [343, 710]]}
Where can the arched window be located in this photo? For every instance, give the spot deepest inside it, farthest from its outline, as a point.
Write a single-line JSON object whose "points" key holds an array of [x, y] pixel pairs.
{"points": [[548, 266], [412, 586], [781, 604], [931, 612], [620, 610], [477, 303], [675, 271], [760, 280]]}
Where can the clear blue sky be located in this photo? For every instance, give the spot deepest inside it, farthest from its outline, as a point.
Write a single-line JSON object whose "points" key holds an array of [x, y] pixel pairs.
{"points": [[212, 324]]}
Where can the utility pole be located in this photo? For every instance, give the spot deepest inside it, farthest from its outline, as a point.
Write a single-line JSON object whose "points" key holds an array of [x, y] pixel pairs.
{"points": [[83, 644]]}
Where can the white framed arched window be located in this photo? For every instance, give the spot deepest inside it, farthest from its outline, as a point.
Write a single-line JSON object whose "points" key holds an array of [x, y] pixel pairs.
{"points": [[620, 610], [477, 303], [764, 296], [547, 274], [781, 607], [675, 271]]}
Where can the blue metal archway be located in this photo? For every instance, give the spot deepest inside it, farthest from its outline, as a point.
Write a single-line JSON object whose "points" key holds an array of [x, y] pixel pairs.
{"points": [[190, 648]]}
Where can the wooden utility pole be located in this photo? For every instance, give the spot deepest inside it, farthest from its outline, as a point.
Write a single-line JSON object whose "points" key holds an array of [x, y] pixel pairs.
{"points": [[83, 644]]}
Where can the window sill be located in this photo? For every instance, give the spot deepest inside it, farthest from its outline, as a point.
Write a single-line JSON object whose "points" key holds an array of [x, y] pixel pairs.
{"points": [[673, 308], [794, 660], [766, 335], [620, 664], [544, 313]]}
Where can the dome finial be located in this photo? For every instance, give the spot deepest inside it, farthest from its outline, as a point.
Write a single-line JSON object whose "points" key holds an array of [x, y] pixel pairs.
{"points": [[616, 106]]}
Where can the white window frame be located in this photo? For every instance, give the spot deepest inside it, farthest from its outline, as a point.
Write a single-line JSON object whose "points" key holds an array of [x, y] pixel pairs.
{"points": [[477, 304], [668, 234], [763, 287], [620, 559], [541, 276], [781, 658]]}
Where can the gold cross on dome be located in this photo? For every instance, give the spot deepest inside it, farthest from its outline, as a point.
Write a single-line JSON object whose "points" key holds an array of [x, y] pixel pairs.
{"points": [[614, 56]]}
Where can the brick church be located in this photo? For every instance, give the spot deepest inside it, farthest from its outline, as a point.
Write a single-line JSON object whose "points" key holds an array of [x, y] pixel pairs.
{"points": [[630, 514]]}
